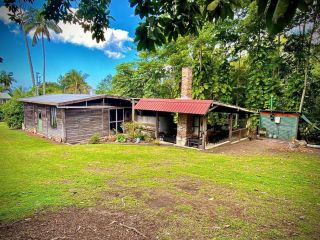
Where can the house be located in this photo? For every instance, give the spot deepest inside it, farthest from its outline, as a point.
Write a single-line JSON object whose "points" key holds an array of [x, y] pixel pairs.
{"points": [[4, 97], [191, 127], [74, 118], [280, 124]]}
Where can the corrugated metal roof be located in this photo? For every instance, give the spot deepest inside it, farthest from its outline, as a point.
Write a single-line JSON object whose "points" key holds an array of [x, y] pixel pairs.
{"points": [[61, 99], [200, 107], [4, 96]]}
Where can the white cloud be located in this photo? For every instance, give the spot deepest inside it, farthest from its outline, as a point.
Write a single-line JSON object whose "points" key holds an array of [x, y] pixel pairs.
{"points": [[112, 54], [4, 15], [114, 46]]}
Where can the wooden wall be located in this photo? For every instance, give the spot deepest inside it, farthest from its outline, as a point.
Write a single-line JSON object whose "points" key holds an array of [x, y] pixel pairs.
{"points": [[81, 124], [31, 120], [29, 116]]}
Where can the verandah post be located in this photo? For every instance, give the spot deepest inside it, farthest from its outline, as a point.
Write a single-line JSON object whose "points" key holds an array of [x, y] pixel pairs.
{"points": [[230, 126]]}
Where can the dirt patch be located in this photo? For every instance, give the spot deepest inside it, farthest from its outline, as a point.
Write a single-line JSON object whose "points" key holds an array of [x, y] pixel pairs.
{"points": [[189, 187], [161, 199], [75, 223], [260, 147]]}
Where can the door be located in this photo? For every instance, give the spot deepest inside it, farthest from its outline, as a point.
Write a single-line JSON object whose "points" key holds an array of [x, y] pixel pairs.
{"points": [[40, 122]]}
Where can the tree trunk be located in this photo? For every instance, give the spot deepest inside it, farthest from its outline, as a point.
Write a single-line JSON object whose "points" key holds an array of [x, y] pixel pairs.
{"points": [[307, 62], [30, 62], [44, 67]]}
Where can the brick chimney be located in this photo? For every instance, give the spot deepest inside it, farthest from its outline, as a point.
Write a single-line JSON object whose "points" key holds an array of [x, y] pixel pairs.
{"points": [[184, 125], [186, 83]]}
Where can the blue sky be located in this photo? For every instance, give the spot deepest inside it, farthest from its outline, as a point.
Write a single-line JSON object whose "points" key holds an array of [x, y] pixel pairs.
{"points": [[72, 49]]}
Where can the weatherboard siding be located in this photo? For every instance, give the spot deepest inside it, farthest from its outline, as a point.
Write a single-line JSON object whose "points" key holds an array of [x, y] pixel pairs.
{"points": [[31, 120], [54, 132], [82, 124], [29, 116]]}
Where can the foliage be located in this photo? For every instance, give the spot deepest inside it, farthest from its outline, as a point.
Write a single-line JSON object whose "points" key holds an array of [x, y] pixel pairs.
{"points": [[234, 61], [93, 16], [141, 136], [121, 138], [6, 80], [95, 139], [35, 21], [52, 88], [104, 85], [74, 82], [163, 20], [131, 128], [12, 111], [253, 123]]}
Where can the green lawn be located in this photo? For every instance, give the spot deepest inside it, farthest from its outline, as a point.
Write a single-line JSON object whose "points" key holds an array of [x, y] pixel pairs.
{"points": [[192, 193]]}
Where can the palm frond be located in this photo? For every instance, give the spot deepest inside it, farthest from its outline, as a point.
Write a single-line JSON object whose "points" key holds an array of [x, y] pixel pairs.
{"points": [[53, 26]]}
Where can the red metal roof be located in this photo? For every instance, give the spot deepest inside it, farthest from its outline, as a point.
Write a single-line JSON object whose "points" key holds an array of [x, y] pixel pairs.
{"points": [[200, 107]]}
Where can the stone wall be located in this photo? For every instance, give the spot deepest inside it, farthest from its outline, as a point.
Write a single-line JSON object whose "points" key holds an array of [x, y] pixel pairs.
{"points": [[184, 128]]}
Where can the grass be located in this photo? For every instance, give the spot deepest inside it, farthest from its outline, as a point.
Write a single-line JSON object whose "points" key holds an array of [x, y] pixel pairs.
{"points": [[191, 193]]}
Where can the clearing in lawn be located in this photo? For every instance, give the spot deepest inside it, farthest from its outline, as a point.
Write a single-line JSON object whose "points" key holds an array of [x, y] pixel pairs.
{"points": [[55, 191]]}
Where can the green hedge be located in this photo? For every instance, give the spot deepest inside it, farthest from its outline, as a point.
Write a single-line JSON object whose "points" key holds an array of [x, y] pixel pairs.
{"points": [[12, 112]]}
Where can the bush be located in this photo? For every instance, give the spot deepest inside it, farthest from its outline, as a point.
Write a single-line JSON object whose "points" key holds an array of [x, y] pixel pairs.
{"points": [[132, 129], [141, 136], [121, 138], [95, 139], [1, 115], [13, 113]]}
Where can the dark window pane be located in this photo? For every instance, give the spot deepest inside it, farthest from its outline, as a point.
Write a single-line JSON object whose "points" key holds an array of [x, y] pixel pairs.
{"points": [[127, 115], [119, 129], [113, 127], [113, 115], [120, 114]]}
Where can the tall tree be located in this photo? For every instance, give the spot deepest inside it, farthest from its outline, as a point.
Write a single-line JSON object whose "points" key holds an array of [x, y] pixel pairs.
{"points": [[104, 85], [74, 82], [36, 21], [20, 19], [314, 20]]}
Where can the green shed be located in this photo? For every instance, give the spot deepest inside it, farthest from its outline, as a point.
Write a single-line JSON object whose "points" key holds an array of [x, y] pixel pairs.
{"points": [[280, 124]]}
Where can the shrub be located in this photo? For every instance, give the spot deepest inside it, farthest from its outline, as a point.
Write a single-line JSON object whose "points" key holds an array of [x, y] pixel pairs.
{"points": [[95, 139], [140, 135], [1, 115], [13, 113], [132, 129], [121, 138]]}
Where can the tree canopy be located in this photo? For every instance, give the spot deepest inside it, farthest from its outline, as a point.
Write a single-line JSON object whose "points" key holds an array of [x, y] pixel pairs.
{"points": [[164, 20]]}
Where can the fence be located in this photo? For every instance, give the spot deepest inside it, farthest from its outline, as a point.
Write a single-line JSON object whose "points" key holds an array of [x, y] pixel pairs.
{"points": [[238, 134]]}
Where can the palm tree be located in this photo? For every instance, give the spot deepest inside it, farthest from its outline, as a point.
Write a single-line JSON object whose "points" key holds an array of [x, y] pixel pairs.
{"points": [[6, 80], [35, 21], [20, 19], [74, 82]]}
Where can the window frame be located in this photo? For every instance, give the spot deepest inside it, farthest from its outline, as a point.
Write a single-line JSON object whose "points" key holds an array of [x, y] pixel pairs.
{"points": [[117, 122], [53, 117]]}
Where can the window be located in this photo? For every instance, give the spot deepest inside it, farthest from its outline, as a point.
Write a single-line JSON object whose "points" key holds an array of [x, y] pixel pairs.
{"points": [[196, 126], [116, 120], [53, 117]]}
